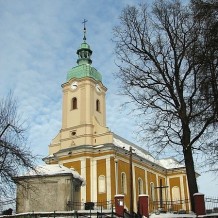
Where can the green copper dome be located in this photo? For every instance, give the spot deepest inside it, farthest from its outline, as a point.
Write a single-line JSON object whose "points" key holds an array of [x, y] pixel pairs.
{"points": [[84, 45], [84, 68]]}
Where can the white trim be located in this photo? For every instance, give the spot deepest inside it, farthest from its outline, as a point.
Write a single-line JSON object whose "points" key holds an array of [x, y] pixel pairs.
{"points": [[71, 160], [108, 178], [140, 186], [116, 176], [152, 191], [83, 174], [102, 157], [157, 190], [146, 182], [134, 188], [168, 192], [182, 189], [123, 183], [93, 185]]}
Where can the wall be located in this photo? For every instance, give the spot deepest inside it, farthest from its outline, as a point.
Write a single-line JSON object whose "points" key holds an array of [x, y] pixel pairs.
{"points": [[46, 193]]}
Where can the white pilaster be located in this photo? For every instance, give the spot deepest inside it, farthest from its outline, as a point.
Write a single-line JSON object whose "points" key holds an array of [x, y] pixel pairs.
{"points": [[134, 188], [108, 178], [83, 174], [168, 189], [94, 181], [116, 176], [146, 183], [182, 190], [157, 189]]}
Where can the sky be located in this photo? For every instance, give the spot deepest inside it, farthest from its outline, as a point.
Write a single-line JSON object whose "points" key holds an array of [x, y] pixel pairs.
{"points": [[38, 43]]}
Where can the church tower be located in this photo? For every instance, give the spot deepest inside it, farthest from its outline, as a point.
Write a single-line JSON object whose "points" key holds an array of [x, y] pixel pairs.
{"points": [[84, 107]]}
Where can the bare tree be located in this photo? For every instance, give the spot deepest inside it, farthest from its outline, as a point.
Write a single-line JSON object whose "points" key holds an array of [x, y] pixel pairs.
{"points": [[156, 50], [15, 156], [206, 18]]}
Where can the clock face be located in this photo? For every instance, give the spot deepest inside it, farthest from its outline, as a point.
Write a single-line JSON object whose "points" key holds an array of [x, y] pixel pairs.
{"points": [[74, 85], [98, 88]]}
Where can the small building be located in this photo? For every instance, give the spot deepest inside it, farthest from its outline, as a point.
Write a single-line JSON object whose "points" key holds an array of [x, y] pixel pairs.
{"points": [[48, 188]]}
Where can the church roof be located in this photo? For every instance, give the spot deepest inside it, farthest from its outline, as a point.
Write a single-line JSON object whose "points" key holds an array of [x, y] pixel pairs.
{"points": [[168, 163], [84, 70]]}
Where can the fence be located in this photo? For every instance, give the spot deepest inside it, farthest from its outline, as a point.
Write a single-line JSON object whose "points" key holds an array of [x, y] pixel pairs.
{"points": [[178, 206], [64, 214], [99, 206], [102, 209], [182, 206], [211, 204]]}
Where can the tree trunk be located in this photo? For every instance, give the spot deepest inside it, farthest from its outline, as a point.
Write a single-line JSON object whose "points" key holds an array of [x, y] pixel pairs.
{"points": [[189, 163], [191, 176]]}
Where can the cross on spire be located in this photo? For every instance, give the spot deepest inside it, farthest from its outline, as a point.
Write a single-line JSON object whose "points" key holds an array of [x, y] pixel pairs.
{"points": [[84, 29]]}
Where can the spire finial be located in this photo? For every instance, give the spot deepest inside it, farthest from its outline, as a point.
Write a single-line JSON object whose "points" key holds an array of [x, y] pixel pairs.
{"points": [[84, 29]]}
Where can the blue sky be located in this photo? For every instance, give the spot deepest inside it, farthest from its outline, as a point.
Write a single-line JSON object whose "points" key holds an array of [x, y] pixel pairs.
{"points": [[38, 44]]}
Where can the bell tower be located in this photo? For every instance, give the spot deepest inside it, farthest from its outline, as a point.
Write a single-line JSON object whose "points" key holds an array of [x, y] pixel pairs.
{"points": [[84, 108]]}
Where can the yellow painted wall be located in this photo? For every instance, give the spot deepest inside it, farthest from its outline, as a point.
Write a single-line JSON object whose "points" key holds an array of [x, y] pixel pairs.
{"points": [[151, 177], [139, 173], [74, 164], [174, 182]]}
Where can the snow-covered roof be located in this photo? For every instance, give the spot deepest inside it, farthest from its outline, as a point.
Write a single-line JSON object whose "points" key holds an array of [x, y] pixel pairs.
{"points": [[123, 143], [54, 169], [168, 163]]}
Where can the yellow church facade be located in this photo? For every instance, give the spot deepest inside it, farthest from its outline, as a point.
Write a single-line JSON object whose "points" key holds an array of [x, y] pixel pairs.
{"points": [[110, 164]]}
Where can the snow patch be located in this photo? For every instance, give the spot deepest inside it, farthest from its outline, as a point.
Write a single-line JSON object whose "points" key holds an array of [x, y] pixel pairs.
{"points": [[170, 163], [54, 169]]}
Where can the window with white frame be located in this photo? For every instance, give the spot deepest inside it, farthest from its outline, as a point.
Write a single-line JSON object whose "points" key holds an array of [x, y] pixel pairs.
{"points": [[123, 183], [152, 191], [175, 194], [101, 184], [140, 186]]}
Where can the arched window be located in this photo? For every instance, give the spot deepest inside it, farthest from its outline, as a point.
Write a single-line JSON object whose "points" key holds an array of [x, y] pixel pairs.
{"points": [[97, 105], [175, 193], [123, 183], [152, 193], [101, 184], [140, 186], [74, 103]]}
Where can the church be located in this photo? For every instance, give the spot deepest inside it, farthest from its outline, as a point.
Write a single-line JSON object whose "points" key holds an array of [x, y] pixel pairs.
{"points": [[109, 164]]}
